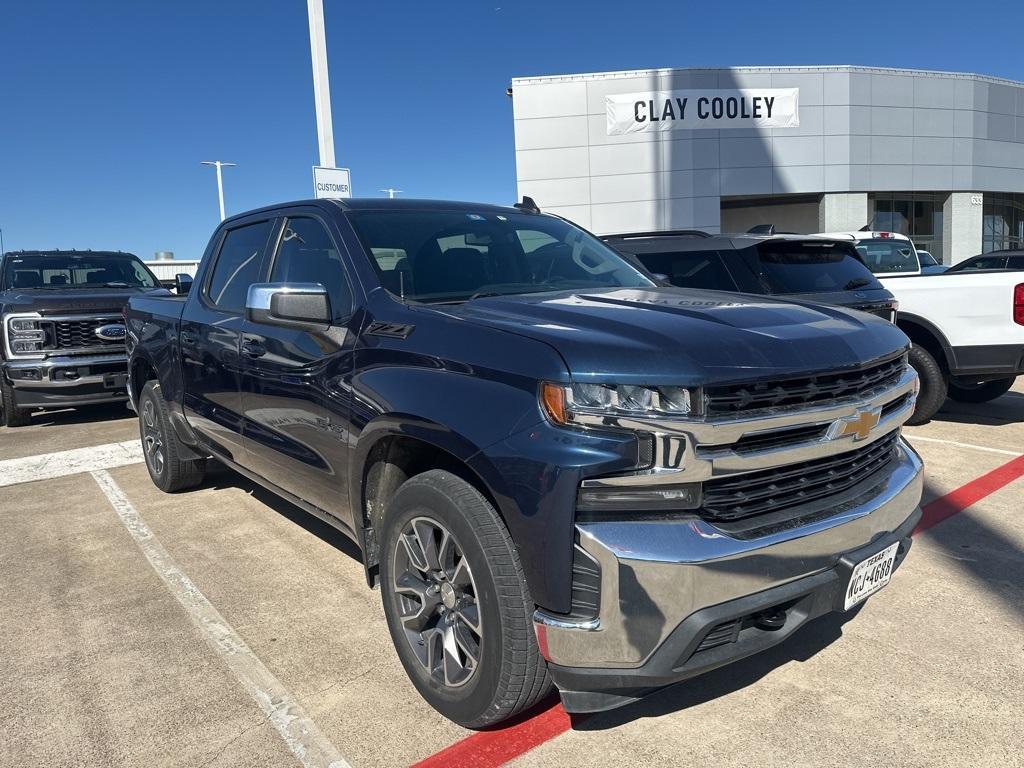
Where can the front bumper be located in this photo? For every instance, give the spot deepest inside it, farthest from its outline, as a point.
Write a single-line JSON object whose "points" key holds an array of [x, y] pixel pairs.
{"points": [[68, 380], [666, 585]]}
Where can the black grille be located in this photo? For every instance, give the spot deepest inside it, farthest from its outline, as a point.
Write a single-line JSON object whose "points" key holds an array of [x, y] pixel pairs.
{"points": [[740, 398], [726, 632], [771, 490], [81, 334]]}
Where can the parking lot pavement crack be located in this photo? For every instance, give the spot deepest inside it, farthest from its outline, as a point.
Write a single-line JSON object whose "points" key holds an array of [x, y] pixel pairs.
{"points": [[346, 681], [300, 734], [224, 747]]}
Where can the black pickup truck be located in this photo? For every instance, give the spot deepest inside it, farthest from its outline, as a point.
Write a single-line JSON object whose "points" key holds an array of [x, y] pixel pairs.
{"points": [[63, 330], [555, 469]]}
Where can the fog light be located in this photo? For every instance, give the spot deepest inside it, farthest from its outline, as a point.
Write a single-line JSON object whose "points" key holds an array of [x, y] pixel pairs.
{"points": [[648, 498]]}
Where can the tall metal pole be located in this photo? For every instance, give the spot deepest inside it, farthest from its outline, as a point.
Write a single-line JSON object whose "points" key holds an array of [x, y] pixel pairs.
{"points": [[1, 241], [321, 82], [391, 192], [220, 181]]}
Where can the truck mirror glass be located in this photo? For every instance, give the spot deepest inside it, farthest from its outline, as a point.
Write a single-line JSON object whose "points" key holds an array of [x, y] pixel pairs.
{"points": [[182, 283]]}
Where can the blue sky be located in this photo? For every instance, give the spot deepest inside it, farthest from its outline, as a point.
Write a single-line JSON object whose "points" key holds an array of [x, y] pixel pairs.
{"points": [[106, 108]]}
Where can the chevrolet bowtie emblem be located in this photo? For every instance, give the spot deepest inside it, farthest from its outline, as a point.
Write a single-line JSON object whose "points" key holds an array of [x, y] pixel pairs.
{"points": [[859, 425]]}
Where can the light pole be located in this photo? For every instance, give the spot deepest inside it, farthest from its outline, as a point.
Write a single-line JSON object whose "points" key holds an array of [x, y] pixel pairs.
{"points": [[220, 181], [391, 192], [321, 82]]}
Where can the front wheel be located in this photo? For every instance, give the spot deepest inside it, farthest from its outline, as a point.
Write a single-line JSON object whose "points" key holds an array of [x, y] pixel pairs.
{"points": [[10, 414], [457, 604], [966, 391]]}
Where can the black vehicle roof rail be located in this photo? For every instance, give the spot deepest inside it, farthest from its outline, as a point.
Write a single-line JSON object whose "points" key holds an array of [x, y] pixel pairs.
{"points": [[695, 233]]}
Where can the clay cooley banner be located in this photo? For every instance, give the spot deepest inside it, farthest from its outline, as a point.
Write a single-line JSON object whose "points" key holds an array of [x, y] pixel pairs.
{"points": [[695, 109]]}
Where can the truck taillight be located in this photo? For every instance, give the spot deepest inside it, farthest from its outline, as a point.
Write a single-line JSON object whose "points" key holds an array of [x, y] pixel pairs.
{"points": [[1018, 304]]}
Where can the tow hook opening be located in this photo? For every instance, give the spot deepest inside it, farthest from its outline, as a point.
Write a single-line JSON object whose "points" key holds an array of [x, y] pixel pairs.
{"points": [[770, 620]]}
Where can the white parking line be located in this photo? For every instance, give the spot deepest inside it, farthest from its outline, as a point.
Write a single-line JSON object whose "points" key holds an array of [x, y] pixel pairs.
{"points": [[47, 466], [971, 446], [299, 732]]}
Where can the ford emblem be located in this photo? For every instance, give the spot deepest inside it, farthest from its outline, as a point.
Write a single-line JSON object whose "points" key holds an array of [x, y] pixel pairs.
{"points": [[111, 332]]}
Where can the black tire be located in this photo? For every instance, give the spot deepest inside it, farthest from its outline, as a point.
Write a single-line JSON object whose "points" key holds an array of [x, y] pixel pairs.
{"points": [[161, 446], [10, 414], [979, 392], [933, 385], [509, 674]]}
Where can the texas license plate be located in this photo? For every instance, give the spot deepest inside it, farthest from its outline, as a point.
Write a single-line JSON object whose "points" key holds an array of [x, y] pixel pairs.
{"points": [[870, 575]]}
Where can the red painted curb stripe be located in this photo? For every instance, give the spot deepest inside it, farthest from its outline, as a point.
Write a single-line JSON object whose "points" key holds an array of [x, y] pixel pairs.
{"points": [[944, 507], [490, 749]]}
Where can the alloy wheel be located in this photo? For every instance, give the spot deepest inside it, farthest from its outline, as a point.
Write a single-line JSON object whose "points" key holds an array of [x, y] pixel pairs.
{"points": [[152, 439], [437, 604]]}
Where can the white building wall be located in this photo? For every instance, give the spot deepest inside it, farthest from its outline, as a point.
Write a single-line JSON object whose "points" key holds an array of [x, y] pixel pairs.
{"points": [[861, 130]]}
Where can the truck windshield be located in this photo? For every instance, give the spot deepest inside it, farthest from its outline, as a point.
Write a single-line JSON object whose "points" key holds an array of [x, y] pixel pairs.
{"points": [[452, 256], [60, 271], [809, 267], [886, 255]]}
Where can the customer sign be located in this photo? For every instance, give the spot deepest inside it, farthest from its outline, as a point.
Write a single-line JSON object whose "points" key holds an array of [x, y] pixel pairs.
{"points": [[705, 108]]}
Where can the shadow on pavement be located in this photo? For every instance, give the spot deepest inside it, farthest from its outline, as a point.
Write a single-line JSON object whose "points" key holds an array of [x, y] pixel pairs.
{"points": [[1007, 409], [802, 645], [219, 476], [86, 414]]}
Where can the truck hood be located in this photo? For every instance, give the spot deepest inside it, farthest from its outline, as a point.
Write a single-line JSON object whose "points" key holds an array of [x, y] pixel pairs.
{"points": [[689, 337], [70, 301]]}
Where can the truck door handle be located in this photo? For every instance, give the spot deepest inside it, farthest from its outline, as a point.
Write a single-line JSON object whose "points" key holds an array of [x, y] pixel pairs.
{"points": [[252, 347]]}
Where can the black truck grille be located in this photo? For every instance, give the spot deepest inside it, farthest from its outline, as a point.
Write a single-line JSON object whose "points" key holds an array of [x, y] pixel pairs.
{"points": [[771, 490], [737, 399], [81, 334]]}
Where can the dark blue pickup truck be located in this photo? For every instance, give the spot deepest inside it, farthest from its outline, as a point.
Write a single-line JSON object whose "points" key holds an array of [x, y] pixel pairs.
{"points": [[555, 469]]}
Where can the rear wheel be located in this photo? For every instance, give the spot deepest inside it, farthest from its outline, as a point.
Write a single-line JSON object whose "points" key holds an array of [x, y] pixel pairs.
{"points": [[10, 414], [457, 604], [966, 391], [933, 385], [162, 448]]}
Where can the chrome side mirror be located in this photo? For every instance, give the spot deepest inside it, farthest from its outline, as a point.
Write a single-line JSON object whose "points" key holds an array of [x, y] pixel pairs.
{"points": [[288, 304]]}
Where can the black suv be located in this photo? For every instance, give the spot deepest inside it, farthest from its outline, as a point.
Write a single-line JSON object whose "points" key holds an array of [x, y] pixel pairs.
{"points": [[795, 267]]}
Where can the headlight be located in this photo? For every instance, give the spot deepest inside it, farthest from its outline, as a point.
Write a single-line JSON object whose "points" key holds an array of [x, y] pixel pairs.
{"points": [[565, 404], [25, 335]]}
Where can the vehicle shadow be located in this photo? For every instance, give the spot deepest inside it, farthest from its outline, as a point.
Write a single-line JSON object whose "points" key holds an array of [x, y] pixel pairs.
{"points": [[801, 646], [1007, 409], [86, 414], [219, 477]]}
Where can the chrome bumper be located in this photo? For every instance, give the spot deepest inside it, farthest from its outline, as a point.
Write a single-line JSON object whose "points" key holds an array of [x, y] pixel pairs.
{"points": [[656, 573]]}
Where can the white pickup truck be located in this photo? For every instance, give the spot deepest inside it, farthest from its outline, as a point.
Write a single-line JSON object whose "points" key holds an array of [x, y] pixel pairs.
{"points": [[967, 327]]}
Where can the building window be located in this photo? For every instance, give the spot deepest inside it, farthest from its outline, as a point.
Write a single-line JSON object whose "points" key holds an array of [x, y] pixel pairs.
{"points": [[1002, 222], [918, 215]]}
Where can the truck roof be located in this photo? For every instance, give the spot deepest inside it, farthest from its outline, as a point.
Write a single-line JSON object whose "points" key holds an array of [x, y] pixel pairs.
{"points": [[384, 204], [71, 252]]}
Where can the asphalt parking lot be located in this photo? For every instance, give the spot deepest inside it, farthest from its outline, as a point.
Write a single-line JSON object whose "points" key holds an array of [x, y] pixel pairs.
{"points": [[223, 627]]}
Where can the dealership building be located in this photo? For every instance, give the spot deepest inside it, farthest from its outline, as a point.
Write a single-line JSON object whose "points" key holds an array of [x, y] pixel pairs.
{"points": [[938, 156]]}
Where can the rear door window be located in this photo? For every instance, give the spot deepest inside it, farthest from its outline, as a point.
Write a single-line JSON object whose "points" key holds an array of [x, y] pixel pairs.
{"points": [[813, 267], [1016, 262], [690, 269], [885, 255], [238, 265]]}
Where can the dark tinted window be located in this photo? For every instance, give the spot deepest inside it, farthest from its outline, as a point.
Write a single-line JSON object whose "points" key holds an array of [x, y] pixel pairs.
{"points": [[455, 255], [74, 270], [927, 260], [888, 255], [1016, 262], [808, 267], [979, 262], [690, 269], [307, 255], [238, 265]]}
